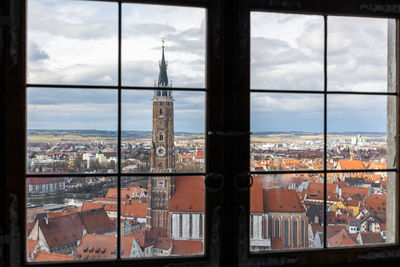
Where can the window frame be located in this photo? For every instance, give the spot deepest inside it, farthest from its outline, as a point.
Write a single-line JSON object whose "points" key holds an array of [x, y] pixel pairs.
{"points": [[228, 80]]}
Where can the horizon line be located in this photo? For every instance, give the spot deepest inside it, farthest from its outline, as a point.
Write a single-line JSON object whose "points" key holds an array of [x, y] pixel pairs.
{"points": [[263, 131]]}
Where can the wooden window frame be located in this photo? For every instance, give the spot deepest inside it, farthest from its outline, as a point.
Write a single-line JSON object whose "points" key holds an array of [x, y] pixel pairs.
{"points": [[227, 127]]}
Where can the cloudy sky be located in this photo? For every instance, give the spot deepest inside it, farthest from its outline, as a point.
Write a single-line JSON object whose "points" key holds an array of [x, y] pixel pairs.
{"points": [[75, 42]]}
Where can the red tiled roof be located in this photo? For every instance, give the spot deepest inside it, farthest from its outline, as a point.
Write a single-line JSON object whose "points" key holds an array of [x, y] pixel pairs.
{"points": [[47, 256], [68, 229], [281, 200], [29, 227], [351, 165], [350, 191], [369, 238], [256, 195], [89, 205], [103, 247], [376, 203], [334, 229], [126, 246], [152, 235], [189, 194], [62, 230], [341, 239], [187, 247], [140, 236], [164, 243], [96, 247], [137, 210], [97, 221], [200, 154], [31, 244]]}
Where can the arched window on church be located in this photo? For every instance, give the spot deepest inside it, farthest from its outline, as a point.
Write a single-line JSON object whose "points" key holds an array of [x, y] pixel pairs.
{"points": [[161, 137], [160, 165], [294, 232], [286, 233], [160, 111], [276, 227]]}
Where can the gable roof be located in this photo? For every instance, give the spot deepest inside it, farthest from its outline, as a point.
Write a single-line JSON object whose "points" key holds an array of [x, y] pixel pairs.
{"points": [[189, 194], [140, 236], [341, 239], [67, 229], [97, 221], [62, 230], [281, 200]]}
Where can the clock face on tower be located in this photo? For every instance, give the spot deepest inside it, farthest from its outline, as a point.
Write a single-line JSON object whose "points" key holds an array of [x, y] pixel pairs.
{"points": [[161, 151]]}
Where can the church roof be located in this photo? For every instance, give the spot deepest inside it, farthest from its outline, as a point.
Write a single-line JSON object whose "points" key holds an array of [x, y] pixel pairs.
{"points": [[281, 200], [189, 194]]}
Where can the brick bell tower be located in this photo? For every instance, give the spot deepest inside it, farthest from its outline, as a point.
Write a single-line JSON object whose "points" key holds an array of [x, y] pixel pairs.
{"points": [[162, 154]]}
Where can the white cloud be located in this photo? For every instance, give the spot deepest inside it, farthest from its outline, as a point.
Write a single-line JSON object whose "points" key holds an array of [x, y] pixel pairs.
{"points": [[68, 46]]}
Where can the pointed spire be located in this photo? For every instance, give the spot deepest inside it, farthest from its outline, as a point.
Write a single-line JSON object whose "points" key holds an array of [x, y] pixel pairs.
{"points": [[163, 77]]}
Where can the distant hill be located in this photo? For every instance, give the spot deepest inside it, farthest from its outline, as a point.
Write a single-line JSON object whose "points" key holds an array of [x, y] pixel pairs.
{"points": [[316, 133], [99, 133]]}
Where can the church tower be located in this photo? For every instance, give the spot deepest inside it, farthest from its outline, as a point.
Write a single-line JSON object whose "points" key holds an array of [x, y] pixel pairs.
{"points": [[162, 154]]}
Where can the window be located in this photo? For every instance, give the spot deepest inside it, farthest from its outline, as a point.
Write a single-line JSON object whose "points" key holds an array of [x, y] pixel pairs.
{"points": [[133, 145], [276, 225], [286, 235], [294, 232], [316, 151], [228, 114]]}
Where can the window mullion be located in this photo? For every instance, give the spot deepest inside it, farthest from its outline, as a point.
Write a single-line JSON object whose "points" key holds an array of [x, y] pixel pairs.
{"points": [[325, 123], [119, 136]]}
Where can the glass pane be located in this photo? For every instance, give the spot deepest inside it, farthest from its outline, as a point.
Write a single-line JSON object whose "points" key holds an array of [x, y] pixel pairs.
{"points": [[71, 130], [286, 212], [287, 51], [287, 132], [361, 215], [70, 219], [163, 132], [182, 28], [358, 54], [72, 42], [360, 128], [162, 216]]}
